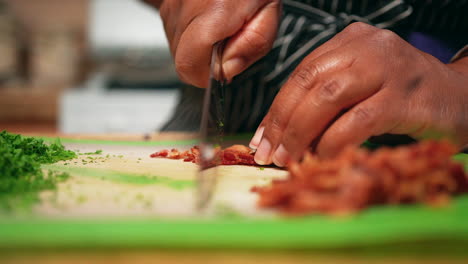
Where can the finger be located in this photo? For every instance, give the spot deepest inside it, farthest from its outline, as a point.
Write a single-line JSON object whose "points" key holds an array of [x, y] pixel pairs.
{"points": [[322, 105], [298, 85], [253, 41], [180, 16], [174, 23], [194, 48], [375, 116], [255, 141], [193, 52]]}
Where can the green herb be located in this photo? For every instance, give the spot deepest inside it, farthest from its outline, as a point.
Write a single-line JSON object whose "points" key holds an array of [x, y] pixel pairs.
{"points": [[261, 168], [36, 148], [81, 199], [97, 152], [147, 204], [21, 176], [140, 197]]}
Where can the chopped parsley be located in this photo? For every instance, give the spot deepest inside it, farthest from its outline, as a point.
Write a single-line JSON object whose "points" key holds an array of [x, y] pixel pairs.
{"points": [[97, 152], [21, 176]]}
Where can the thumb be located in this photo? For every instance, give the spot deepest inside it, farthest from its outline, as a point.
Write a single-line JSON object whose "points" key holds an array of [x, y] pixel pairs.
{"points": [[253, 41]]}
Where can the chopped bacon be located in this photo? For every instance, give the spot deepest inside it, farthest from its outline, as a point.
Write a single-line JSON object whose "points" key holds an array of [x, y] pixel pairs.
{"points": [[162, 153], [358, 179], [234, 155], [173, 154], [237, 155]]}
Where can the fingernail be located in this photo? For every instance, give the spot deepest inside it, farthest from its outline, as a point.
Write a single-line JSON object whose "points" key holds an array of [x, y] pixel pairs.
{"points": [[262, 157], [256, 138], [281, 156], [232, 67]]}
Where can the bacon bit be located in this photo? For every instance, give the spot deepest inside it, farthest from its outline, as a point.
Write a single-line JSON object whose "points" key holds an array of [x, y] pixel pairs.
{"points": [[234, 155], [162, 153], [358, 179]]}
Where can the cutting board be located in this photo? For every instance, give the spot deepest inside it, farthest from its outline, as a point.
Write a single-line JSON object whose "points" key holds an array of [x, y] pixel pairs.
{"points": [[125, 181], [122, 197]]}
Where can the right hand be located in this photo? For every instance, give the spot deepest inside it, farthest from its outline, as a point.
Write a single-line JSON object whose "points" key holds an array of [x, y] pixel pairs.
{"points": [[194, 26]]}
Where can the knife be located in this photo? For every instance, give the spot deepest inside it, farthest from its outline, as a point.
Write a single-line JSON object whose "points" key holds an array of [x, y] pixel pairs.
{"points": [[211, 129]]}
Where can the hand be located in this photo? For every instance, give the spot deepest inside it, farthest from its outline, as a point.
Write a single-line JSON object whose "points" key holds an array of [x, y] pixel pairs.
{"points": [[364, 82], [194, 26]]}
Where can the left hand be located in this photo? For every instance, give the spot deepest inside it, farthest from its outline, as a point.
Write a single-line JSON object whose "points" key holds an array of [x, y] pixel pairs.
{"points": [[364, 82]]}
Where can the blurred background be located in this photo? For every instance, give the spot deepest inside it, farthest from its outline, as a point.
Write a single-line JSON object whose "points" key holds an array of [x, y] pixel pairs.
{"points": [[84, 66]]}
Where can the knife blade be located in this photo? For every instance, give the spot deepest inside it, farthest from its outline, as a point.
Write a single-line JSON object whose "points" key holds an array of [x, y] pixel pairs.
{"points": [[211, 129]]}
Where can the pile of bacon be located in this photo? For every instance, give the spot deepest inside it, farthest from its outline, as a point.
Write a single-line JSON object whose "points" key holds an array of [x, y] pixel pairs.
{"points": [[234, 155], [358, 179]]}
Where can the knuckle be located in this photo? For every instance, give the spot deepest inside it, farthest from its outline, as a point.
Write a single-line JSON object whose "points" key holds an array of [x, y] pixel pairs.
{"points": [[277, 123], [331, 91], [292, 135], [207, 36], [304, 76], [274, 128], [358, 27], [188, 72], [220, 7], [363, 115], [290, 138], [386, 36], [183, 66], [257, 42], [273, 4]]}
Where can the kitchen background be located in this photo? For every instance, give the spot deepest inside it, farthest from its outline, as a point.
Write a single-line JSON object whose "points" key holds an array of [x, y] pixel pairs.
{"points": [[84, 66]]}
